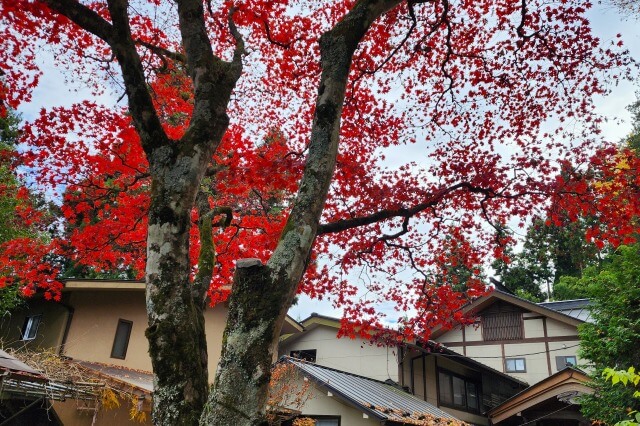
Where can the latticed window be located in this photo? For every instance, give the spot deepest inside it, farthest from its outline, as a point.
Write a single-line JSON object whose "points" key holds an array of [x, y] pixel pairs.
{"points": [[503, 326]]}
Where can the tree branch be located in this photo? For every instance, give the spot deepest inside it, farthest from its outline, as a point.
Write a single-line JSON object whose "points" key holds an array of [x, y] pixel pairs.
{"points": [[344, 224], [162, 52], [213, 79], [239, 51], [84, 17], [144, 114], [207, 256]]}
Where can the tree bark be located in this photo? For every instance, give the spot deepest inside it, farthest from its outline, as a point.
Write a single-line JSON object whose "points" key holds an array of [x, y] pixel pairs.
{"points": [[262, 294]]}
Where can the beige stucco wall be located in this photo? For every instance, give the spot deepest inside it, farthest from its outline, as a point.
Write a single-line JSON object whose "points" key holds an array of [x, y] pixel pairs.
{"points": [[557, 328], [535, 358], [93, 327], [473, 332], [69, 415], [453, 335], [569, 348], [533, 327], [351, 355], [50, 330], [489, 355], [96, 317]]}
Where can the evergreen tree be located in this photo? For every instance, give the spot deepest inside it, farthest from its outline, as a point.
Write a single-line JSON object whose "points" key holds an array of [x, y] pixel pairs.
{"points": [[611, 339]]}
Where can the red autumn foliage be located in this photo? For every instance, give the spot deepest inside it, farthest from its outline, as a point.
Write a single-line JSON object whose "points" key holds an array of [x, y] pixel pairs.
{"points": [[608, 191], [481, 97]]}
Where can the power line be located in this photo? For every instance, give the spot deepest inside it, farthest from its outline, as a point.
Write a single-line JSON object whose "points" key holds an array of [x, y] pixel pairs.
{"points": [[510, 355]]}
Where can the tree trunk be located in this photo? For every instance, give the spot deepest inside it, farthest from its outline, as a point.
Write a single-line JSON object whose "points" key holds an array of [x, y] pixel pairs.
{"points": [[177, 342], [250, 342]]}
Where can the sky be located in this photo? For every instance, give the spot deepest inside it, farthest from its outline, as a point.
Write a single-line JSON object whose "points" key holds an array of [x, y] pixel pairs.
{"points": [[606, 20]]}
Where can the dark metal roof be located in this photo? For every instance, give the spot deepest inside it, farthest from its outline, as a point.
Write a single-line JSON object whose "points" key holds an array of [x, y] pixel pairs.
{"points": [[440, 349], [373, 397], [141, 380], [11, 363], [530, 303], [578, 308]]}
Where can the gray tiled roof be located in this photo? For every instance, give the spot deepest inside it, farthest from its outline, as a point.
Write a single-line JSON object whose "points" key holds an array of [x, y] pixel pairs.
{"points": [[373, 397], [578, 308]]}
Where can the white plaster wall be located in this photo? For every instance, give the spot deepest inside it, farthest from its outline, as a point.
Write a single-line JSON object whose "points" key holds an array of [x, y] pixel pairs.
{"points": [[95, 319], [533, 328], [489, 355], [454, 335], [567, 348], [473, 333], [536, 361], [557, 328], [353, 356]]}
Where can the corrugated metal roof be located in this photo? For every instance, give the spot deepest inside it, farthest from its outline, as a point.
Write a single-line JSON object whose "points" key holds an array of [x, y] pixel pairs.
{"points": [[8, 362], [373, 397], [578, 308], [142, 380]]}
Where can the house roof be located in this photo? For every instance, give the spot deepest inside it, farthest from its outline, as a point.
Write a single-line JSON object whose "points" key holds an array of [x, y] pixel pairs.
{"points": [[315, 320], [137, 379], [19, 380], [565, 385], [102, 284], [435, 348], [13, 365], [481, 303], [374, 398], [578, 308]]}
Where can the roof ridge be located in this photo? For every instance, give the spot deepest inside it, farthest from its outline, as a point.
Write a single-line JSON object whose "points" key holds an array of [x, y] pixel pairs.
{"points": [[289, 358]]}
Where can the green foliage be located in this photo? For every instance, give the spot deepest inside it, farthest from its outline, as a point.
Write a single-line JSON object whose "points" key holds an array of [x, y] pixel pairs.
{"points": [[611, 339], [627, 377], [550, 251], [10, 228], [573, 287], [633, 141], [9, 185]]}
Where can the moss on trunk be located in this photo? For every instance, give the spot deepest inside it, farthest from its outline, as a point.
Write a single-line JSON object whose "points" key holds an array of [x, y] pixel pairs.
{"points": [[256, 312]]}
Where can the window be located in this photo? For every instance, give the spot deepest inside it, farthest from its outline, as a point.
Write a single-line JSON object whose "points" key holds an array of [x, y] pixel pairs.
{"points": [[503, 326], [121, 341], [320, 420], [327, 421], [515, 365], [30, 327], [565, 361], [458, 392], [304, 354]]}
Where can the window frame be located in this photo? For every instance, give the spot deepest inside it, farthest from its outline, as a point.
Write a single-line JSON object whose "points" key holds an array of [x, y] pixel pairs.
{"points": [[115, 338], [316, 417], [515, 360], [565, 362], [313, 354], [28, 326], [466, 382]]}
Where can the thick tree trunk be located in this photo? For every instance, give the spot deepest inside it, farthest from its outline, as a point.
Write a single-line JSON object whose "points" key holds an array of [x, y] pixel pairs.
{"points": [[250, 341], [177, 343]]}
